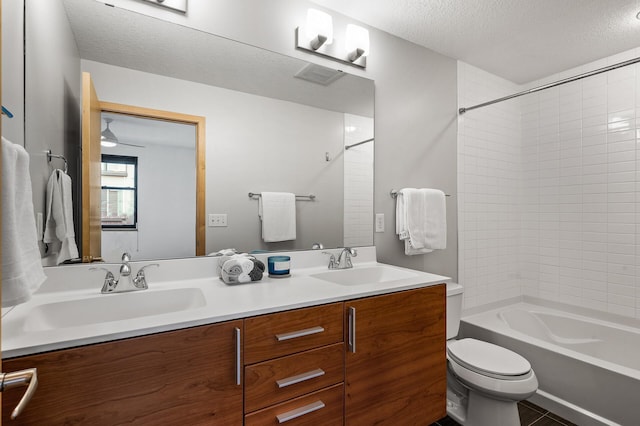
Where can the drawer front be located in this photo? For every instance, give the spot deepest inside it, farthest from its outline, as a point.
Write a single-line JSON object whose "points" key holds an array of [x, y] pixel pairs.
{"points": [[285, 333], [323, 407], [278, 380]]}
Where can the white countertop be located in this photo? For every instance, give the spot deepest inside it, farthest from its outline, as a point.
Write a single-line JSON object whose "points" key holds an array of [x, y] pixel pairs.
{"points": [[222, 302]]}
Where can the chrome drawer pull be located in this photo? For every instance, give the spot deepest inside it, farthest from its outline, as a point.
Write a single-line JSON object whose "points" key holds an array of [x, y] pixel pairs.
{"points": [[351, 341], [29, 378], [299, 333], [238, 357], [299, 412], [283, 383]]}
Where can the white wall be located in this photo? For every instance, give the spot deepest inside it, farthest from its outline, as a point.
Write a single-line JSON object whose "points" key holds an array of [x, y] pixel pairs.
{"points": [[166, 208], [581, 140], [580, 176], [52, 98], [489, 188], [13, 69], [415, 105], [358, 181], [254, 144]]}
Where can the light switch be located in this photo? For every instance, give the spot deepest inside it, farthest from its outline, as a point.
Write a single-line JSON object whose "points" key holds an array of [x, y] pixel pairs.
{"points": [[217, 220]]}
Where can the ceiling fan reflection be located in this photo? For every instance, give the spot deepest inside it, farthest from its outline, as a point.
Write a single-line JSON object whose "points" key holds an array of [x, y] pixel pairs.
{"points": [[109, 140]]}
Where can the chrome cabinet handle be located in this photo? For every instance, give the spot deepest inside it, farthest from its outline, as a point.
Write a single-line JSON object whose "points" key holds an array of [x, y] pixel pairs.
{"points": [[352, 329], [283, 383], [299, 412], [238, 358], [29, 378], [299, 333]]}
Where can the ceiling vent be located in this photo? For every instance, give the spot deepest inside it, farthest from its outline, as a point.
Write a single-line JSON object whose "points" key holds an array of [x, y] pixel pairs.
{"points": [[319, 74]]}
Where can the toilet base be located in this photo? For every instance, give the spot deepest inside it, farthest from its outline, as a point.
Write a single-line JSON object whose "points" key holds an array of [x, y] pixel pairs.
{"points": [[484, 411], [474, 409]]}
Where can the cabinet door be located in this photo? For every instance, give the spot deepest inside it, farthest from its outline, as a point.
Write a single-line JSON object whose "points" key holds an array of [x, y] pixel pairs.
{"points": [[184, 377], [397, 374]]}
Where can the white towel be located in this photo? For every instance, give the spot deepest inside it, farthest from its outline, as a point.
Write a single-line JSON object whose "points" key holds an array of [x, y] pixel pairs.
{"points": [[278, 213], [22, 272], [59, 227], [421, 220]]}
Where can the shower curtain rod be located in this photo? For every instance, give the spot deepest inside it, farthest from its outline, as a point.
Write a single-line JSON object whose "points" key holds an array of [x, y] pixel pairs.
{"points": [[554, 84]]}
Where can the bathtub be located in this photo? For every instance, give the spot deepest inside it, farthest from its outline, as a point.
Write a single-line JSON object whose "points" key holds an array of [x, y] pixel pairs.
{"points": [[587, 364]]}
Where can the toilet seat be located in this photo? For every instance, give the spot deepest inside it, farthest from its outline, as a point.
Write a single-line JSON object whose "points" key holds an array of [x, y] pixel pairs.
{"points": [[488, 359], [506, 376]]}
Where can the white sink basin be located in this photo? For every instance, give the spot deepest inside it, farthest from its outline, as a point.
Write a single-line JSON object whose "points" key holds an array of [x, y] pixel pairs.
{"points": [[112, 307], [364, 275]]}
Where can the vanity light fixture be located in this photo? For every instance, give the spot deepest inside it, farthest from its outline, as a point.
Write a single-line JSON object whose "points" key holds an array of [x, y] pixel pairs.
{"points": [[107, 138], [316, 36], [357, 42], [319, 28]]}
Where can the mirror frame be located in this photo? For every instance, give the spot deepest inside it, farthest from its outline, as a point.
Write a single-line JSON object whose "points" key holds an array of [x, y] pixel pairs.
{"points": [[200, 123]]}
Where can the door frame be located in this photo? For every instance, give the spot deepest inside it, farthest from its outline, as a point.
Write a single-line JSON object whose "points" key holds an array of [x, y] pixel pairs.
{"points": [[199, 122]]}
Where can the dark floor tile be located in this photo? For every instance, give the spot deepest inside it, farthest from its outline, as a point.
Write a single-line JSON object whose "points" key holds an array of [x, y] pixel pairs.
{"points": [[547, 421], [446, 421], [533, 406], [560, 419], [528, 415]]}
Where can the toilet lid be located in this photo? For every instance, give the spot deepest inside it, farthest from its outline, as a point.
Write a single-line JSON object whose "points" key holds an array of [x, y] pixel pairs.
{"points": [[487, 358]]}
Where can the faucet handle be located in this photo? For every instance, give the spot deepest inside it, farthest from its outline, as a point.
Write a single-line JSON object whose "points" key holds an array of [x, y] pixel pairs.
{"points": [[332, 260], [109, 280], [140, 280], [99, 268]]}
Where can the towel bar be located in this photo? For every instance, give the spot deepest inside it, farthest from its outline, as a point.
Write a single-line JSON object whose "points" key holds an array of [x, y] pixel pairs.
{"points": [[394, 194], [310, 197]]}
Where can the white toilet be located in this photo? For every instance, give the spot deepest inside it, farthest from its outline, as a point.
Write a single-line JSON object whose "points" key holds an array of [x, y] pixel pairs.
{"points": [[484, 381]]}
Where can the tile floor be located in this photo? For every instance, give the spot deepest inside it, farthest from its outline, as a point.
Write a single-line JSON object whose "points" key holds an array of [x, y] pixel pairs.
{"points": [[530, 415]]}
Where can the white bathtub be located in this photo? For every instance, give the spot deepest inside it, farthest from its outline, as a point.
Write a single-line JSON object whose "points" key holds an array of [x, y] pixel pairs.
{"points": [[588, 367]]}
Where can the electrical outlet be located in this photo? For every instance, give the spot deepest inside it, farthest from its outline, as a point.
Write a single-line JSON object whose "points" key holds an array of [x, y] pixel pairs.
{"points": [[217, 220], [379, 222]]}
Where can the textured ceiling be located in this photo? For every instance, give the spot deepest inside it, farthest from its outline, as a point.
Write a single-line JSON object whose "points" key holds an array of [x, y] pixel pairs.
{"points": [[520, 40]]}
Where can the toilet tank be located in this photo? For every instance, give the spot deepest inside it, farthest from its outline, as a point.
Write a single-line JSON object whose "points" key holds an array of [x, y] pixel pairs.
{"points": [[454, 309]]}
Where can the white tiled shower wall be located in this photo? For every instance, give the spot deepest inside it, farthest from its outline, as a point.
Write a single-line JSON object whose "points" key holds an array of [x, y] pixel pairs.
{"points": [[576, 193], [489, 176], [358, 181]]}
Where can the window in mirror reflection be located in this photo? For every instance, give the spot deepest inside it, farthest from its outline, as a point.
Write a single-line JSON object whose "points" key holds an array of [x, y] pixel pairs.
{"points": [[119, 179]]}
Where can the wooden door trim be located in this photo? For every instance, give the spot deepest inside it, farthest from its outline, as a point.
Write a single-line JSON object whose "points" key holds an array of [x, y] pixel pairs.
{"points": [[199, 122]]}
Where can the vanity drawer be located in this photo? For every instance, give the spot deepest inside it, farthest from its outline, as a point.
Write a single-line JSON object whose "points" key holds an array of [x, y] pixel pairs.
{"points": [[278, 380], [324, 408], [285, 333]]}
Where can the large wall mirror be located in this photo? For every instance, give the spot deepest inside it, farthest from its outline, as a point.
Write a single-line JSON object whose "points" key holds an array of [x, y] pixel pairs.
{"points": [[273, 123]]}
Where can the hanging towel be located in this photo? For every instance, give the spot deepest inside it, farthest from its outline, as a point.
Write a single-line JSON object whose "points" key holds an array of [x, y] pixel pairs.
{"points": [[59, 226], [278, 213], [421, 220], [22, 272]]}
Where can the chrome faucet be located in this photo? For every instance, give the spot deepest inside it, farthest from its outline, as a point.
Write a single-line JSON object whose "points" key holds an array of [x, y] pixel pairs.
{"points": [[344, 258], [125, 282]]}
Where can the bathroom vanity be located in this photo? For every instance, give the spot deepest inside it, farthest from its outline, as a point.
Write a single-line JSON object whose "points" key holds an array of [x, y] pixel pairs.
{"points": [[347, 354]]}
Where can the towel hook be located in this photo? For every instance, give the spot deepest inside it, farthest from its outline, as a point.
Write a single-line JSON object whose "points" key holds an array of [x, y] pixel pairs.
{"points": [[50, 156]]}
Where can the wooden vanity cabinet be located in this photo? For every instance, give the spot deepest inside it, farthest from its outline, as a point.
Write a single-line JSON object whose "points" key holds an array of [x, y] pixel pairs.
{"points": [[183, 377], [298, 367], [294, 370], [396, 373]]}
